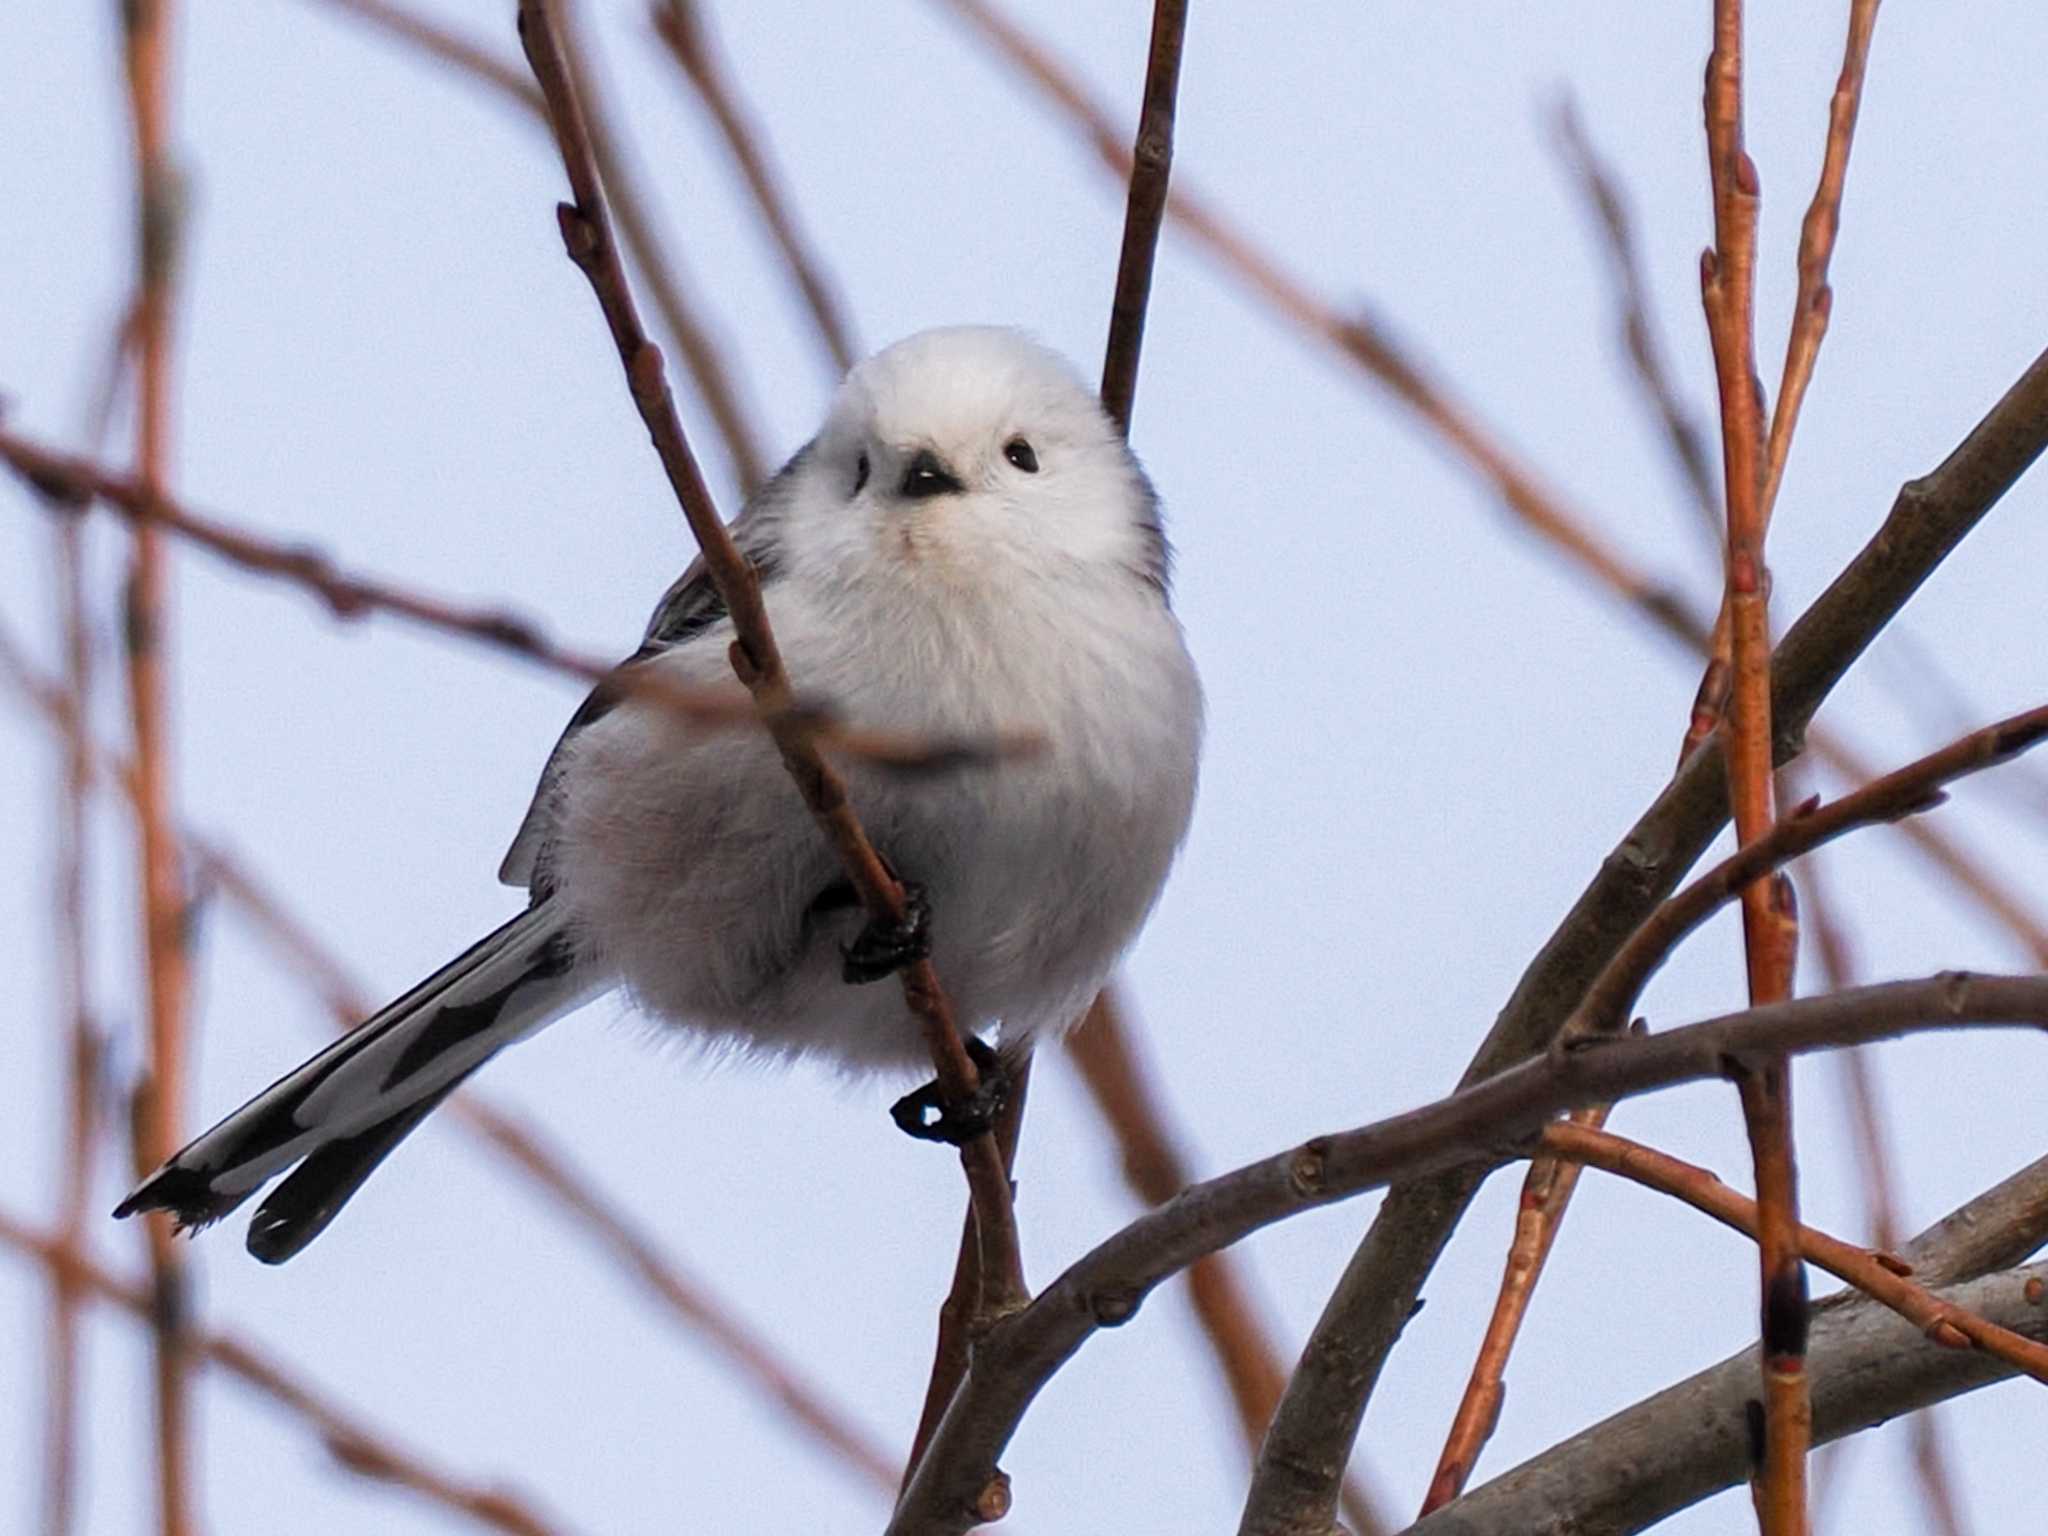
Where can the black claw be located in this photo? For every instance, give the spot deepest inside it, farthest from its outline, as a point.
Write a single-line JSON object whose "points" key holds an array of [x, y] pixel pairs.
{"points": [[925, 1115], [882, 949]]}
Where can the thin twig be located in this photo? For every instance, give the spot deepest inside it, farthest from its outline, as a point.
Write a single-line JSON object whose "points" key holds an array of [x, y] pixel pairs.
{"points": [[1604, 199], [160, 1096], [1156, 1170], [680, 26], [1488, 1123], [355, 1445], [69, 481], [711, 372], [1879, 1276], [1151, 160], [224, 870], [1728, 289], [586, 231]]}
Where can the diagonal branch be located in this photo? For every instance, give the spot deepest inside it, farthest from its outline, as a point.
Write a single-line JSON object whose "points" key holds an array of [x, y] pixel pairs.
{"points": [[70, 481], [681, 28], [354, 1444], [586, 231], [1482, 1125]]}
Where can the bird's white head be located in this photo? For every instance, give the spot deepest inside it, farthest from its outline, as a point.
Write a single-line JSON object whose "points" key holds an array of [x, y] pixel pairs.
{"points": [[974, 451]]}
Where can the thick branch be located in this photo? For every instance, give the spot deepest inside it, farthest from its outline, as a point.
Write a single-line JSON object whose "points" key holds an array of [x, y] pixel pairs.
{"points": [[1485, 1124], [1326, 1400]]}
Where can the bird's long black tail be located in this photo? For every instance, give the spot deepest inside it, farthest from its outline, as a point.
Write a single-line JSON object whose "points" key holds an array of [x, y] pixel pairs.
{"points": [[340, 1114]]}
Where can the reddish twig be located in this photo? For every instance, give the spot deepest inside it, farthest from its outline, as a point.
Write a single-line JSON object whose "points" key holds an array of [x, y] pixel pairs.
{"points": [[354, 1444], [1156, 1170], [680, 26], [160, 1096], [1539, 1213], [69, 481], [1728, 287], [1878, 1275], [586, 231], [710, 371], [1151, 161]]}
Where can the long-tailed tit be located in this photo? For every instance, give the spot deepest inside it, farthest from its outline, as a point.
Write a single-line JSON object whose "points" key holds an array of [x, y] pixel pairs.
{"points": [[966, 546]]}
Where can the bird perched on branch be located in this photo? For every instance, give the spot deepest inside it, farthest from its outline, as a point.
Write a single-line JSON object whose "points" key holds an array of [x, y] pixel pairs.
{"points": [[967, 546]]}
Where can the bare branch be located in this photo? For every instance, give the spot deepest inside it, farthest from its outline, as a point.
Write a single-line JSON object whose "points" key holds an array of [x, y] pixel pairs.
{"points": [[586, 231], [70, 481], [681, 27], [354, 1444], [1151, 166], [1487, 1123], [1326, 1400], [710, 371]]}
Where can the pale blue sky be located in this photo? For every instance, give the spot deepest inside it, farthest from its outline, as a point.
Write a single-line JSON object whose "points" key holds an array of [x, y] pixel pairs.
{"points": [[1425, 730]]}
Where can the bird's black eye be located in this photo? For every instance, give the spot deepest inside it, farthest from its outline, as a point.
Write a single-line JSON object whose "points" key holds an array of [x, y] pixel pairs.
{"points": [[860, 475], [1019, 453]]}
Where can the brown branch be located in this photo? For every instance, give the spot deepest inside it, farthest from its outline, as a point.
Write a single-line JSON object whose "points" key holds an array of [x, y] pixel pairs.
{"points": [[1878, 1275], [354, 1444], [70, 481], [687, 1300], [160, 1095], [1611, 220], [81, 1036], [586, 231], [1151, 161], [1875, 1158], [1539, 1213], [1487, 1123], [1368, 345], [1814, 301], [710, 371], [680, 26], [1547, 1188], [1328, 1393], [1156, 1170]]}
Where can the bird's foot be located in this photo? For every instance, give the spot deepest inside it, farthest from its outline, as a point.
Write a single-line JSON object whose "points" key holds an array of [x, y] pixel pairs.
{"points": [[926, 1115], [881, 949]]}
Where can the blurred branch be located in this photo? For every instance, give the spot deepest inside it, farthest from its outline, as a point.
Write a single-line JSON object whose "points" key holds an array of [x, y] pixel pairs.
{"points": [[82, 1053], [1327, 1396], [1647, 1462], [680, 25], [710, 371], [1487, 1123], [222, 869], [586, 232], [70, 482], [1604, 199], [352, 1443], [1156, 1170], [160, 1094]]}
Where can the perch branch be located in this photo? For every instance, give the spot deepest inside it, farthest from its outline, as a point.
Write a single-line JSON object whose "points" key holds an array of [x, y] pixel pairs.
{"points": [[1487, 1123], [586, 231]]}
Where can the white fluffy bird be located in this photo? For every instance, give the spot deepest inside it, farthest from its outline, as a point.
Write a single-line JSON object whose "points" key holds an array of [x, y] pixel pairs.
{"points": [[966, 546]]}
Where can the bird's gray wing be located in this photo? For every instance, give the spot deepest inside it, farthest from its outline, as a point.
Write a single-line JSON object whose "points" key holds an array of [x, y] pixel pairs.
{"points": [[688, 608]]}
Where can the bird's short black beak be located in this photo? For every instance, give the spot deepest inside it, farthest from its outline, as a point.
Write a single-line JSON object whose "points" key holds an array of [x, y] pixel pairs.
{"points": [[926, 476]]}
